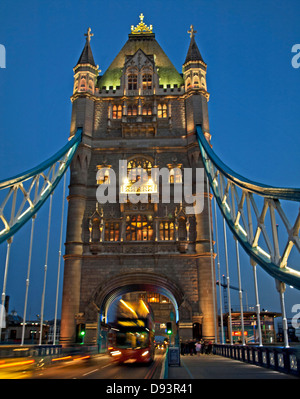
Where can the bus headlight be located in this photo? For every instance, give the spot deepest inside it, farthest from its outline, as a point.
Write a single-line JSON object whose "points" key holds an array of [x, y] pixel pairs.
{"points": [[115, 353]]}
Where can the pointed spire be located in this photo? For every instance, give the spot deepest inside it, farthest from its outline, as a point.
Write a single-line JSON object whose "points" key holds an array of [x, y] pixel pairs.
{"points": [[193, 51], [87, 55]]}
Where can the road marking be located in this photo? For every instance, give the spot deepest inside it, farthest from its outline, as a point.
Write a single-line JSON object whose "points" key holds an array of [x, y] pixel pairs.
{"points": [[188, 371], [103, 367], [90, 372]]}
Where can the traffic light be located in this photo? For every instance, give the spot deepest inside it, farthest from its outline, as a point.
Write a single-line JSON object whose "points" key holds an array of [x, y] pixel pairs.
{"points": [[81, 332], [169, 328]]}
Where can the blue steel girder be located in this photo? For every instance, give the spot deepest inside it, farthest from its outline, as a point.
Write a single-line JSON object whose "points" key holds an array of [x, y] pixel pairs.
{"points": [[34, 187], [238, 199]]}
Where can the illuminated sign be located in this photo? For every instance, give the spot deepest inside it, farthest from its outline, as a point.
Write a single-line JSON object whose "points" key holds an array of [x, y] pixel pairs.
{"points": [[239, 333]]}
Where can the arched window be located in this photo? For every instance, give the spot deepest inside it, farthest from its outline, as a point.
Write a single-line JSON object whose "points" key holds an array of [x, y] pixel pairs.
{"points": [[166, 231], [103, 176], [196, 80], [188, 83], [82, 83], [162, 111], [132, 82], [147, 82], [117, 112], [132, 110], [112, 231], [175, 175], [76, 85], [139, 228], [136, 165], [91, 84], [147, 110]]}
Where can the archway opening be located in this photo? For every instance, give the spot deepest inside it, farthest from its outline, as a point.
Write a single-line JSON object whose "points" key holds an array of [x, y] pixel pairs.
{"points": [[160, 300]]}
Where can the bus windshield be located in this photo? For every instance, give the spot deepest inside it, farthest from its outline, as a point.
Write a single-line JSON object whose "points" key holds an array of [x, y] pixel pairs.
{"points": [[134, 340]]}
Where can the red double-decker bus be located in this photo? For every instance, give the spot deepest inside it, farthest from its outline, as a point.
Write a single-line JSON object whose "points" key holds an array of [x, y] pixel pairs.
{"points": [[132, 338]]}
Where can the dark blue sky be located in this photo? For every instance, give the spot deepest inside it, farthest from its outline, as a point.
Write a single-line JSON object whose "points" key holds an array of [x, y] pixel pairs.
{"points": [[253, 107]]}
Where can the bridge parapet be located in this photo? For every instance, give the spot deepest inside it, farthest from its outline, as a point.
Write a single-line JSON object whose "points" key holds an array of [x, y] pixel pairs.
{"points": [[284, 360]]}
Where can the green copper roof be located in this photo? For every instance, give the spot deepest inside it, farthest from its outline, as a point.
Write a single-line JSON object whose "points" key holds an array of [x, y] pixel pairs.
{"points": [[168, 75]]}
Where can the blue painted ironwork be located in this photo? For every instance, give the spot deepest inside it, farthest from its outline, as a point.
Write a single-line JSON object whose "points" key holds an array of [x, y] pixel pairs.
{"points": [[224, 183], [50, 172]]}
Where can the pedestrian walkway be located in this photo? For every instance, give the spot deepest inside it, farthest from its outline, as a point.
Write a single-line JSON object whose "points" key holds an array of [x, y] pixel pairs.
{"points": [[218, 367]]}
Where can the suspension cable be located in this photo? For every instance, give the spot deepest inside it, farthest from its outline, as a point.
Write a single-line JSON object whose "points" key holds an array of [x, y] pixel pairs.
{"points": [[257, 305], [228, 282], [59, 259], [27, 279], [45, 272], [240, 288], [211, 258], [219, 273], [2, 314]]}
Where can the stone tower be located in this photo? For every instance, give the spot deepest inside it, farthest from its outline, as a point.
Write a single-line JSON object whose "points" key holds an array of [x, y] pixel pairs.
{"points": [[140, 113]]}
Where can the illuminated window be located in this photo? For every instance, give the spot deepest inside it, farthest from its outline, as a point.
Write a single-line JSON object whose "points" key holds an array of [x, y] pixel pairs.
{"points": [[82, 83], [76, 85], [132, 82], [196, 80], [112, 231], [166, 231], [162, 111], [175, 176], [147, 82], [103, 176], [164, 299], [91, 85], [152, 297], [132, 110], [188, 83], [139, 228], [147, 110], [137, 164], [117, 112]]}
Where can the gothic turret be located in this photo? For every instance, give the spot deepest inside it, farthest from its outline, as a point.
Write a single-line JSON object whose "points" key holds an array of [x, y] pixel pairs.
{"points": [[86, 71], [194, 73], [194, 68]]}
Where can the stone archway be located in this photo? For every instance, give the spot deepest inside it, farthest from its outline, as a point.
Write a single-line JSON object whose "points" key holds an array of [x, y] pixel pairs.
{"points": [[110, 289]]}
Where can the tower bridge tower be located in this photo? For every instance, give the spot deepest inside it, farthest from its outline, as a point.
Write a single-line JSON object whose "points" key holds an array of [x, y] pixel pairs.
{"points": [[142, 111]]}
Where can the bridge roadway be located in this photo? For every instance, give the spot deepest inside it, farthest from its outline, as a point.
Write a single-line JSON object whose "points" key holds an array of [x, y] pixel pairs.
{"points": [[99, 367], [202, 367]]}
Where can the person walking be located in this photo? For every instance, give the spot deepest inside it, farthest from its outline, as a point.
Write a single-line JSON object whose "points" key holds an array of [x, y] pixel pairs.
{"points": [[209, 348], [198, 348]]}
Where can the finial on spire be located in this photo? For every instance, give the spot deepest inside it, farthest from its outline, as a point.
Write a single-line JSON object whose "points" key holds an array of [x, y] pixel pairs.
{"points": [[89, 34], [192, 32], [141, 27]]}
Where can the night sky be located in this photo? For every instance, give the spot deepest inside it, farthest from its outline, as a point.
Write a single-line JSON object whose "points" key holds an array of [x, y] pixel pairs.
{"points": [[253, 107]]}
